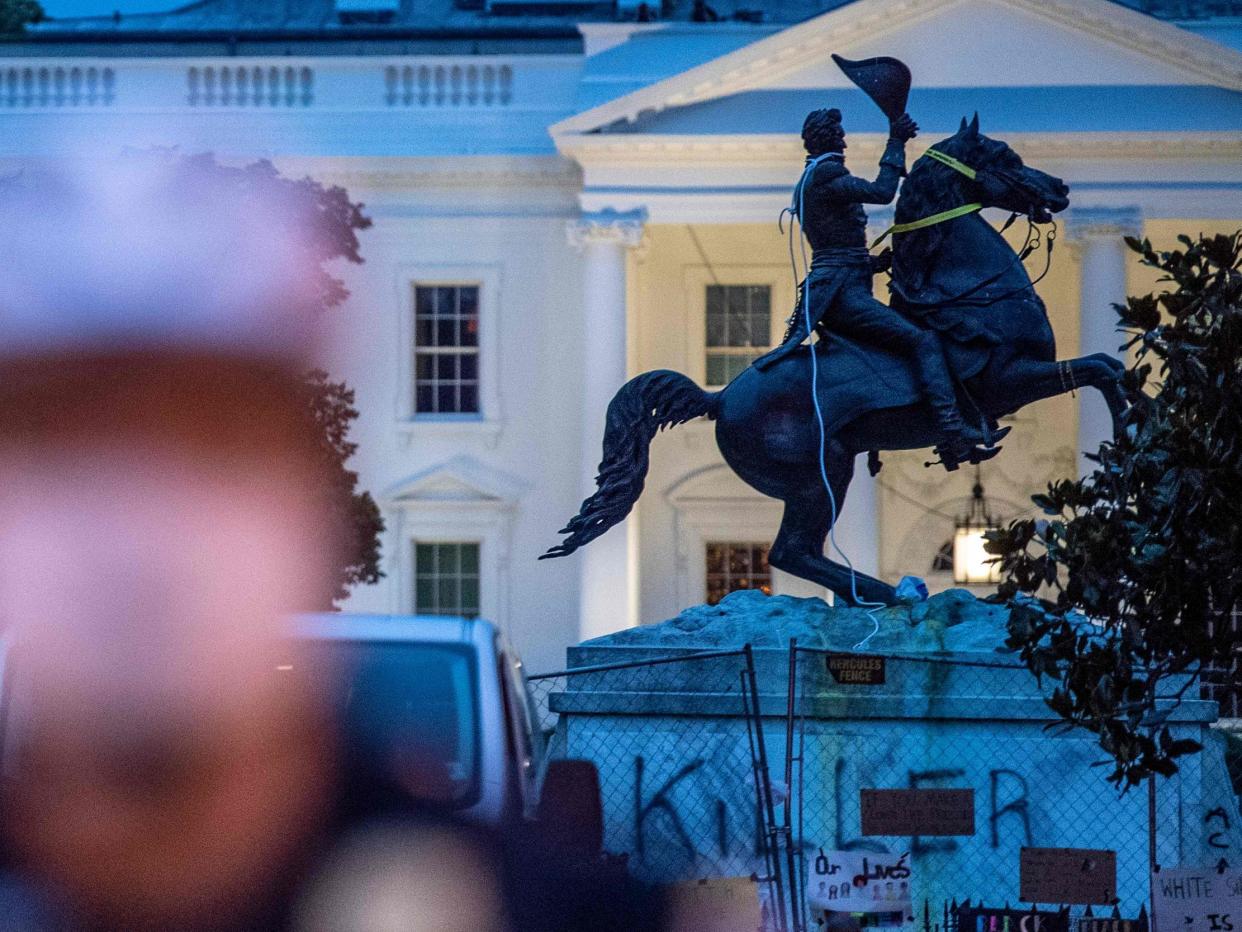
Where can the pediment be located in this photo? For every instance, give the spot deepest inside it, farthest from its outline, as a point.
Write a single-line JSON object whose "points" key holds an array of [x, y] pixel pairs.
{"points": [[462, 480], [948, 43]]}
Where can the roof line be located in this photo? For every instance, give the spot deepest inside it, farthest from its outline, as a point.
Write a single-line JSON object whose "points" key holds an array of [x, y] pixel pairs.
{"points": [[348, 33], [838, 28]]}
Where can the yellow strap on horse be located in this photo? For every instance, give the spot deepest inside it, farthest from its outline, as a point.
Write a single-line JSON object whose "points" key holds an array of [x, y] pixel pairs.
{"points": [[952, 214], [931, 221]]}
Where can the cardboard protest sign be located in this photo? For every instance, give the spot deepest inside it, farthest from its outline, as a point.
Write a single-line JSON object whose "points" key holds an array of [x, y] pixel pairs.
{"points": [[1187, 899], [918, 812], [859, 882], [722, 904], [1083, 876]]}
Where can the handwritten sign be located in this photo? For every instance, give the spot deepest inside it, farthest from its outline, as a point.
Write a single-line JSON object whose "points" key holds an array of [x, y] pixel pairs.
{"points": [[918, 812], [1084, 876], [859, 882], [994, 919], [856, 670], [1187, 899], [722, 904]]}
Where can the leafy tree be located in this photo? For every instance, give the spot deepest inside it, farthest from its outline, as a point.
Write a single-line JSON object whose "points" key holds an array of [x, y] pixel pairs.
{"points": [[1148, 546], [328, 221], [15, 14], [331, 406]]}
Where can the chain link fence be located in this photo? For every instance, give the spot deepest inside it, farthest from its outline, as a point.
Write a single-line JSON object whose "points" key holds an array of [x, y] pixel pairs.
{"points": [[695, 784], [682, 760]]}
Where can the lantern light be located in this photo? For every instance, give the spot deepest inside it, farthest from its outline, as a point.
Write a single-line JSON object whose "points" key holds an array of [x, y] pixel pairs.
{"points": [[971, 563]]}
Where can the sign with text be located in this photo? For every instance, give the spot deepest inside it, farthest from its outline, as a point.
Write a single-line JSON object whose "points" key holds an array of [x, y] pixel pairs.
{"points": [[722, 904], [856, 670], [1112, 924], [918, 812], [859, 882], [1187, 899], [1004, 919], [1079, 876]]}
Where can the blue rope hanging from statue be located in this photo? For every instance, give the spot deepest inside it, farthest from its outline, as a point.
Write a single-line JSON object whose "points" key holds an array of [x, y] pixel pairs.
{"points": [[964, 341]]}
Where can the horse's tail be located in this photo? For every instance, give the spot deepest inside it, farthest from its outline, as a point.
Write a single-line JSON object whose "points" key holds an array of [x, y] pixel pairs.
{"points": [[645, 405]]}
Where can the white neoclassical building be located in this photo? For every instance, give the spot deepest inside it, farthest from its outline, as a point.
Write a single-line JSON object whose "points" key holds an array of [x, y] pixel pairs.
{"points": [[565, 196]]}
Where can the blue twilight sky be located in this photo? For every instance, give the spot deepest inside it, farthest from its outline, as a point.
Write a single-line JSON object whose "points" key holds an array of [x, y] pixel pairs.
{"points": [[105, 7]]}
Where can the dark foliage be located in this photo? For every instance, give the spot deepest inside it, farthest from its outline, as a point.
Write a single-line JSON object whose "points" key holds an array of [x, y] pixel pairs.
{"points": [[15, 14], [1148, 545], [354, 514]]}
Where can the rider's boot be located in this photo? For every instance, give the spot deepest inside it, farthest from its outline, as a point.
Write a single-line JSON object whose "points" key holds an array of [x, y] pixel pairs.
{"points": [[959, 441]]}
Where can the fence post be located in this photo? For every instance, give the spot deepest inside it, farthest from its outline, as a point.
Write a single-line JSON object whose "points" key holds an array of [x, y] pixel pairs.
{"points": [[795, 899], [1152, 865], [766, 783]]}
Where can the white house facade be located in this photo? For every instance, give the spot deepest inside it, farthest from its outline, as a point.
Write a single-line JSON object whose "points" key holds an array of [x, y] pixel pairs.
{"points": [[567, 194]]}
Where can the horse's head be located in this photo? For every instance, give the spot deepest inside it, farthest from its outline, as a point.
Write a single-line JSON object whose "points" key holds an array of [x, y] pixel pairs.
{"points": [[1001, 180]]}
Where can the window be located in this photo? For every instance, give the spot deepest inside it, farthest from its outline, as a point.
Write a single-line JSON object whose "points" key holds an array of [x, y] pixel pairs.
{"points": [[446, 349], [732, 565], [446, 579], [739, 328]]}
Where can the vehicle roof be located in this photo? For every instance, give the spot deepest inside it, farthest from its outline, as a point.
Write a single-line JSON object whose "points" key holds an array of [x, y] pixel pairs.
{"points": [[436, 629]]}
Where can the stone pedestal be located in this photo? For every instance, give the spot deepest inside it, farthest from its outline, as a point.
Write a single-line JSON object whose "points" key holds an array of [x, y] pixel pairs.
{"points": [[672, 747]]}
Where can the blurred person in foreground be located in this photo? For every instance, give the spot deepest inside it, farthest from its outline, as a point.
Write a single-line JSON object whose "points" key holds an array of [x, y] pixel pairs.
{"points": [[161, 515]]}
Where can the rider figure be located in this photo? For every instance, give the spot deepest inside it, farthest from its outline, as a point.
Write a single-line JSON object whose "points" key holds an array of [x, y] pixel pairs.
{"points": [[828, 203]]}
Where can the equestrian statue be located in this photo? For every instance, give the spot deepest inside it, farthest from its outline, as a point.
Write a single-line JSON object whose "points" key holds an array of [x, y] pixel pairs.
{"points": [[964, 340]]}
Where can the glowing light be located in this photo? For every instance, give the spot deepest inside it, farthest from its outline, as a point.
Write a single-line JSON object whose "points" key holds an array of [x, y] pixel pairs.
{"points": [[971, 562]]}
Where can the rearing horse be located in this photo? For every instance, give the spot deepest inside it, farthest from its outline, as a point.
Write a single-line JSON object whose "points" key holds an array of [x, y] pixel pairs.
{"points": [[955, 274]]}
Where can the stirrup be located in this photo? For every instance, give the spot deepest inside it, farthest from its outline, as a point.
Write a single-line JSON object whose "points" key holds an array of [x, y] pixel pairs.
{"points": [[953, 457]]}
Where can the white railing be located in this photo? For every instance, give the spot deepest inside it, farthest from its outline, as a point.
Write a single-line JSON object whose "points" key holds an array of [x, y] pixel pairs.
{"points": [[250, 86], [57, 86], [448, 85]]}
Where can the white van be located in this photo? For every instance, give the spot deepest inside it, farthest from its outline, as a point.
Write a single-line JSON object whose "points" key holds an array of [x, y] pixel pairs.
{"points": [[448, 692]]}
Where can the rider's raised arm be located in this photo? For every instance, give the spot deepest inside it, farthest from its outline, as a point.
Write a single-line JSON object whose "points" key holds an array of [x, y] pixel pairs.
{"points": [[884, 188]]}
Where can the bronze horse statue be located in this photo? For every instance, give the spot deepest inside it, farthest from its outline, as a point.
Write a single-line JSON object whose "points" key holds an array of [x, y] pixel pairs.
{"points": [[960, 277]]}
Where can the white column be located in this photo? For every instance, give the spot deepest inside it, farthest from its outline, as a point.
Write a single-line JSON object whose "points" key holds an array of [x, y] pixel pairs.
{"points": [[1097, 233], [608, 596]]}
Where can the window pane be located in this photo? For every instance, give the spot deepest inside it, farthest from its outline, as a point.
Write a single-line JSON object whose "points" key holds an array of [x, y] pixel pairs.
{"points": [[469, 399], [424, 399], [736, 300], [715, 299], [425, 333], [715, 329], [425, 596], [449, 563], [424, 366], [424, 558], [446, 332], [446, 398], [469, 363], [716, 372], [470, 558], [470, 332], [424, 301], [732, 566], [469, 301], [446, 592], [470, 596], [446, 300], [446, 366]]}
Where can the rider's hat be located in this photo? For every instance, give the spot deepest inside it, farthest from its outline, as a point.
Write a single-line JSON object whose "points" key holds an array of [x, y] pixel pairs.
{"points": [[884, 80]]}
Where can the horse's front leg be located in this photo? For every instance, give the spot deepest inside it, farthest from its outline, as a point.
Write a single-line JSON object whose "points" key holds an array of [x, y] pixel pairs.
{"points": [[1024, 381]]}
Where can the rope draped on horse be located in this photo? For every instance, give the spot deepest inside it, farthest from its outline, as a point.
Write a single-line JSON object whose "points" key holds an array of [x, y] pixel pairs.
{"points": [[643, 407]]}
